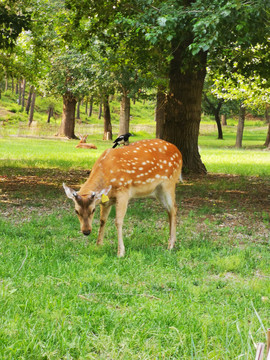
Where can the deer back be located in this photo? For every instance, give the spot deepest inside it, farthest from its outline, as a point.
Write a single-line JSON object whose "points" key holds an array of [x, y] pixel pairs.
{"points": [[137, 169]]}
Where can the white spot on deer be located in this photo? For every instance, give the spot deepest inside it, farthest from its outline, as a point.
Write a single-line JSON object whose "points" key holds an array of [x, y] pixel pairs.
{"points": [[157, 176], [113, 180], [165, 147], [170, 164], [164, 161], [140, 168]]}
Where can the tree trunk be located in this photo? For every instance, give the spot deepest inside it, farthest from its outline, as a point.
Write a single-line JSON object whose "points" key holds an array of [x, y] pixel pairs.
{"points": [[218, 122], [183, 106], [223, 120], [267, 141], [28, 103], [124, 113], [32, 108], [267, 114], [86, 106], [91, 106], [20, 92], [160, 112], [216, 111], [78, 115], [23, 92], [240, 126], [107, 119], [50, 114], [68, 120], [100, 110]]}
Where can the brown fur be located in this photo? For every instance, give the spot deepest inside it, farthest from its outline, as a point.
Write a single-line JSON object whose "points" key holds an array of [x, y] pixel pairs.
{"points": [[144, 168], [83, 144]]}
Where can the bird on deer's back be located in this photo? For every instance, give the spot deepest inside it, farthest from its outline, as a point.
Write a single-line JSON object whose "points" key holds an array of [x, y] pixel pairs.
{"points": [[122, 139]]}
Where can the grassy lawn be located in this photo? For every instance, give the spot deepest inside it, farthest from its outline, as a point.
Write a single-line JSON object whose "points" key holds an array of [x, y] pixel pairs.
{"points": [[62, 297]]}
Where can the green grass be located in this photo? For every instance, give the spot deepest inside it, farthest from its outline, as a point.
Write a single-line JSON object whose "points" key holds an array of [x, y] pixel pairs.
{"points": [[62, 297], [219, 156]]}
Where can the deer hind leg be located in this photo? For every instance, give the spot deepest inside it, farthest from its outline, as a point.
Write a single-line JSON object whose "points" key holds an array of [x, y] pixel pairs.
{"points": [[121, 209], [104, 213], [166, 195]]}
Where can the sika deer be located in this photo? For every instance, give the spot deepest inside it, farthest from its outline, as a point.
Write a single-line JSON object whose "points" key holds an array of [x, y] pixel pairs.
{"points": [[84, 144], [144, 168]]}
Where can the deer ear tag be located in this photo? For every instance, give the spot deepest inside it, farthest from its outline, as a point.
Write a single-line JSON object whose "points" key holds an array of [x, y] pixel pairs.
{"points": [[104, 198]]}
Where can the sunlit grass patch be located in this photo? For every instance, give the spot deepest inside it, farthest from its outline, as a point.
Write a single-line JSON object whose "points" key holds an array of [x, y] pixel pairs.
{"points": [[240, 162]]}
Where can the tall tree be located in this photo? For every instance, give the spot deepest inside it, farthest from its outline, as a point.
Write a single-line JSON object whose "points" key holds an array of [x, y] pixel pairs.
{"points": [[184, 33], [69, 76]]}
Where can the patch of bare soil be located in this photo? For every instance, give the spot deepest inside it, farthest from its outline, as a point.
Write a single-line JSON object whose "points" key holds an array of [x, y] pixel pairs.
{"points": [[231, 202]]}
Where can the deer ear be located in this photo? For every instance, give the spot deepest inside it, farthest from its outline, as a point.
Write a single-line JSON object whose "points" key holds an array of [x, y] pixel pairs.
{"points": [[71, 194]]}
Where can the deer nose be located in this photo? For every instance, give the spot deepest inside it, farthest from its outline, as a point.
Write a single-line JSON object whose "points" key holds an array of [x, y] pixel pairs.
{"points": [[86, 232]]}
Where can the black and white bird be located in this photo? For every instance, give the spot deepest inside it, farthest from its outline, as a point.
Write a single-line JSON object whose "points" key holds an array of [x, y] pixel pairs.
{"points": [[122, 139]]}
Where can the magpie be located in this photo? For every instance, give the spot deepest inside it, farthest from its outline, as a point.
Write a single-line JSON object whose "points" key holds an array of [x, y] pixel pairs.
{"points": [[122, 139]]}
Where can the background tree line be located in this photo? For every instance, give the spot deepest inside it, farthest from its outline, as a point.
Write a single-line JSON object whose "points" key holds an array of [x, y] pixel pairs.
{"points": [[95, 49]]}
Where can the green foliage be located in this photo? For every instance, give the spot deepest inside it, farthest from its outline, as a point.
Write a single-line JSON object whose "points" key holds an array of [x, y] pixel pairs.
{"points": [[13, 19]]}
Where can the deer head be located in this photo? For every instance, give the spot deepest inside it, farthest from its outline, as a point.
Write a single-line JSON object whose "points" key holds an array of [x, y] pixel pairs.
{"points": [[85, 206]]}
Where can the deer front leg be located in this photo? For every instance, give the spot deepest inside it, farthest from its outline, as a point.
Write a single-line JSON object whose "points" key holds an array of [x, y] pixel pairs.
{"points": [[121, 208], [104, 213]]}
